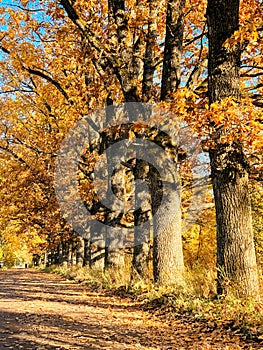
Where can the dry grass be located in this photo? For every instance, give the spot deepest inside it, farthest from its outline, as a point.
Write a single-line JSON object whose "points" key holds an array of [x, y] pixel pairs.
{"points": [[197, 296]]}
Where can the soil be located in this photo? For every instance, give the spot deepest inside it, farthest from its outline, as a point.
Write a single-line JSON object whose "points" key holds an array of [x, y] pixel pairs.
{"points": [[44, 311]]}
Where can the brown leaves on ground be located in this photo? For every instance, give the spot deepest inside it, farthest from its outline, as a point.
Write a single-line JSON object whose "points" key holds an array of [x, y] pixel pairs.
{"points": [[43, 311]]}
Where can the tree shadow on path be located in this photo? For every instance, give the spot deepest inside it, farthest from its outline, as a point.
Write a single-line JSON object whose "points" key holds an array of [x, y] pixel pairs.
{"points": [[43, 311]]}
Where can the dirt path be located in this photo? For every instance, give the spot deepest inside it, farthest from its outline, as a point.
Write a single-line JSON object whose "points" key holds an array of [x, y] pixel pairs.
{"points": [[43, 311]]}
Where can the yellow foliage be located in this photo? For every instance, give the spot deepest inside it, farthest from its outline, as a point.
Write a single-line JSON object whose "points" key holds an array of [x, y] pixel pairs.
{"points": [[199, 242]]}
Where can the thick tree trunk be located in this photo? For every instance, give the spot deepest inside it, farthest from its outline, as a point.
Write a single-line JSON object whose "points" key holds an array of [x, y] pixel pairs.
{"points": [[168, 262], [167, 249], [130, 66], [236, 261]]}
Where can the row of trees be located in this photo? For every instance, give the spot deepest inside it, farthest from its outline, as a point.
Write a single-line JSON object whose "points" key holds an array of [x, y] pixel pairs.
{"points": [[63, 60]]}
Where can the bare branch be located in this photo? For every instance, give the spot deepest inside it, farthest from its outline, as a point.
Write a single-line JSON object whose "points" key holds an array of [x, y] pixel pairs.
{"points": [[255, 75], [21, 160], [24, 9], [51, 80]]}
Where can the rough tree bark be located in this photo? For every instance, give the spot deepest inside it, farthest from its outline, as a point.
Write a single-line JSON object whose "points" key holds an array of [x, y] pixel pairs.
{"points": [[142, 219], [171, 75], [236, 261], [167, 248]]}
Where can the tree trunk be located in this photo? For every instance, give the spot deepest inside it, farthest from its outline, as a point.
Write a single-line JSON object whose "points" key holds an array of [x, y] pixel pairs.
{"points": [[86, 252], [114, 242], [70, 252], [45, 260], [97, 247], [80, 252], [171, 75], [167, 249], [143, 216], [65, 254], [59, 253], [142, 219], [97, 251], [236, 261], [150, 55], [115, 238], [168, 262]]}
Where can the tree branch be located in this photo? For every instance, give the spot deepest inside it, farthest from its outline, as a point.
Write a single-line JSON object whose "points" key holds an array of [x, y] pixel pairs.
{"points": [[21, 160], [51, 80]]}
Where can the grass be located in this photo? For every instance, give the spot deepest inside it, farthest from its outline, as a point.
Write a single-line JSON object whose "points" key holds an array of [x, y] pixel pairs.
{"points": [[196, 298]]}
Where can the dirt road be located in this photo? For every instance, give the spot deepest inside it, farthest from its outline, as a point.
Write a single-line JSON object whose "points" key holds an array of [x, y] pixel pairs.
{"points": [[43, 311]]}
